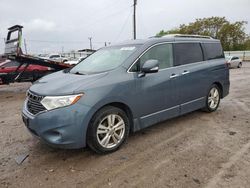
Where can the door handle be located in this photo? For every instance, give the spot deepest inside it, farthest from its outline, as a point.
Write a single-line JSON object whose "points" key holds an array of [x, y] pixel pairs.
{"points": [[174, 75], [185, 72]]}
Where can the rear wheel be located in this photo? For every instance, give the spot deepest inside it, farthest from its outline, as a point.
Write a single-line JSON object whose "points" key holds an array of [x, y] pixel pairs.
{"points": [[213, 98], [240, 65], [108, 130]]}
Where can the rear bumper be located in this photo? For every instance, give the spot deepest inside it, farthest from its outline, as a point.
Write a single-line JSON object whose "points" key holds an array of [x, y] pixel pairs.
{"points": [[61, 128]]}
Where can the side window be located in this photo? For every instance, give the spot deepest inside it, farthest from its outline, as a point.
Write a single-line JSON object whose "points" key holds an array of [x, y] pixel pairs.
{"points": [[214, 51], [186, 53], [163, 53]]}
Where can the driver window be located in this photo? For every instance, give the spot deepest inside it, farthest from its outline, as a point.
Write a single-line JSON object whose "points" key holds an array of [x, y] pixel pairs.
{"points": [[163, 53]]}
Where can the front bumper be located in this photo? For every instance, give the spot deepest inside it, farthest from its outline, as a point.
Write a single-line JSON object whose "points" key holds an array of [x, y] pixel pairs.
{"points": [[62, 128]]}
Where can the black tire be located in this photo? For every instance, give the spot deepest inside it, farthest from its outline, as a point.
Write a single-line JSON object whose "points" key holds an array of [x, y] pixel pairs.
{"points": [[208, 108], [92, 140], [240, 65]]}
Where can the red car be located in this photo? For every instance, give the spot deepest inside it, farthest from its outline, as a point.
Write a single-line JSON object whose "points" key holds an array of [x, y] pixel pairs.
{"points": [[8, 72]]}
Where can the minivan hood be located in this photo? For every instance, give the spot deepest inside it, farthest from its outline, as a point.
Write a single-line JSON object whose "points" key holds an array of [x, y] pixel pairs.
{"points": [[61, 83]]}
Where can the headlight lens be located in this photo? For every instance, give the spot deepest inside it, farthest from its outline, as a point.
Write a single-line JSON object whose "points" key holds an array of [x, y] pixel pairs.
{"points": [[52, 102]]}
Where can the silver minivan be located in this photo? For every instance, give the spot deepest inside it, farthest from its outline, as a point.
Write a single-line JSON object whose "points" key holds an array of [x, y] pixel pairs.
{"points": [[124, 88]]}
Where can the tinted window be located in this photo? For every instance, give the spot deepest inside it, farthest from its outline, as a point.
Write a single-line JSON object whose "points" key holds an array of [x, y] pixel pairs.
{"points": [[186, 53], [163, 53], [214, 51]]}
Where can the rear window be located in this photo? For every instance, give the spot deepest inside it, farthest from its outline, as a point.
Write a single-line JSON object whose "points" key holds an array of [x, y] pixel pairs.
{"points": [[186, 53], [214, 51]]}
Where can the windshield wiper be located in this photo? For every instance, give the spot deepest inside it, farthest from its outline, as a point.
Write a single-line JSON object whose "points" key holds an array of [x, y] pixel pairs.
{"points": [[78, 73]]}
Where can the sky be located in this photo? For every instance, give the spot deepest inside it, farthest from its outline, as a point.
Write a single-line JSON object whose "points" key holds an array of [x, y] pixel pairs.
{"points": [[52, 26]]}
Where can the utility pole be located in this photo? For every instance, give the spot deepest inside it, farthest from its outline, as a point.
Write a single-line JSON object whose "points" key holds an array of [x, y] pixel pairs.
{"points": [[134, 19], [90, 42]]}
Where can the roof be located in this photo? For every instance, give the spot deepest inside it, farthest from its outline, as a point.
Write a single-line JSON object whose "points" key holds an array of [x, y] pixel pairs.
{"points": [[170, 38]]}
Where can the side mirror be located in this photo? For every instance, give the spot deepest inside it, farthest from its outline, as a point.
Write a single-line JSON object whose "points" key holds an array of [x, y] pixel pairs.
{"points": [[150, 66]]}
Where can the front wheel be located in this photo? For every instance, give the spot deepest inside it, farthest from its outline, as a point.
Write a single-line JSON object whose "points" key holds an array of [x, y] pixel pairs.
{"points": [[108, 130], [213, 99]]}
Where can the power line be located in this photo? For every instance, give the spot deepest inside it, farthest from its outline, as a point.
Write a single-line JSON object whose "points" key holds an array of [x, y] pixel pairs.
{"points": [[104, 8], [123, 27], [105, 17]]}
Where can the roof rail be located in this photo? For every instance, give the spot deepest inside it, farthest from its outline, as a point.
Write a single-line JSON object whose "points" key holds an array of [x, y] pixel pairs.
{"points": [[188, 36]]}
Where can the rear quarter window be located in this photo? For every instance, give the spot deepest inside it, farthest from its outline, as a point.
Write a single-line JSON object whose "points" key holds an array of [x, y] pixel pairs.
{"points": [[186, 53], [213, 51]]}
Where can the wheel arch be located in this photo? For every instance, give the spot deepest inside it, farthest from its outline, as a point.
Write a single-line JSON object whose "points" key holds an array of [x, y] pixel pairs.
{"points": [[126, 109], [220, 87], [121, 106]]}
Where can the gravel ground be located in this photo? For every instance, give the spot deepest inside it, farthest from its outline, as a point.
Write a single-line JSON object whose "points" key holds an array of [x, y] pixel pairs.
{"points": [[196, 150]]}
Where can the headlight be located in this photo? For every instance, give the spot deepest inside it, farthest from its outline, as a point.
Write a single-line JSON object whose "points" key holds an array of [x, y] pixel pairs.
{"points": [[52, 102]]}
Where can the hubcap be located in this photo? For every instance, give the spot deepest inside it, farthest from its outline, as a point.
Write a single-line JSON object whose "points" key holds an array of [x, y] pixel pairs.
{"points": [[213, 99], [110, 131]]}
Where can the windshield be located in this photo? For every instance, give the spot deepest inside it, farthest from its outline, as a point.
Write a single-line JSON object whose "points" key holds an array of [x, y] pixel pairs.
{"points": [[103, 60], [228, 57]]}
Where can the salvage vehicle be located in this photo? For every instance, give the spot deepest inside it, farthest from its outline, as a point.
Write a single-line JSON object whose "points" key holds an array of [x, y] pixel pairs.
{"points": [[234, 62], [124, 88], [26, 62], [29, 74]]}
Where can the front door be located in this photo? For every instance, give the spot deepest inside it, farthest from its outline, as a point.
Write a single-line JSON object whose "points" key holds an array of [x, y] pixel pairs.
{"points": [[157, 99]]}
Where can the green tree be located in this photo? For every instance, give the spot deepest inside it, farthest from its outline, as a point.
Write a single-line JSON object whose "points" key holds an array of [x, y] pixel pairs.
{"points": [[247, 44], [232, 35]]}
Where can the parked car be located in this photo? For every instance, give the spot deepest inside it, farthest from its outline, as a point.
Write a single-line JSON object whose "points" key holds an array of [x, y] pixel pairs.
{"points": [[57, 57], [124, 88], [75, 61], [54, 57], [8, 69], [234, 62]]}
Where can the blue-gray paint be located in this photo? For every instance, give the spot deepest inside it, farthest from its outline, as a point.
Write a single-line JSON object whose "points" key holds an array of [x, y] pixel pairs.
{"points": [[151, 99]]}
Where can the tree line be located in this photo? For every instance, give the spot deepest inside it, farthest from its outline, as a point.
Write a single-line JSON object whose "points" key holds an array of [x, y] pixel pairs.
{"points": [[232, 35]]}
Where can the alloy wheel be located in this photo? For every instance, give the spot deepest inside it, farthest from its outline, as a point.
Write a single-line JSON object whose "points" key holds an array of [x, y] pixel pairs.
{"points": [[110, 131], [213, 98]]}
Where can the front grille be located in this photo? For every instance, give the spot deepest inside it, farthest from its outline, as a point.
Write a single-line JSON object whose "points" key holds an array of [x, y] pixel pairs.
{"points": [[34, 103]]}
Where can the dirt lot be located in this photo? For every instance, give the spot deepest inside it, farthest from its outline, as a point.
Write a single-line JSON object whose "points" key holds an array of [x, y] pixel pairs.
{"points": [[195, 150]]}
